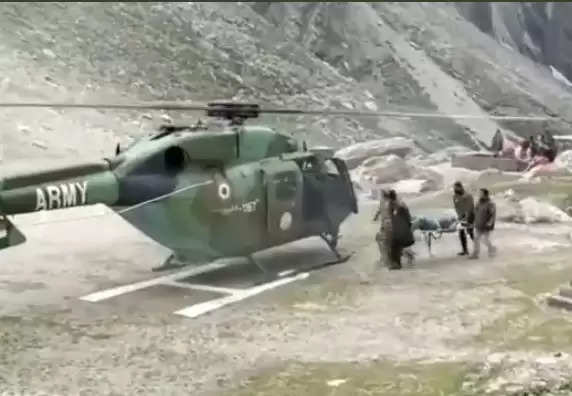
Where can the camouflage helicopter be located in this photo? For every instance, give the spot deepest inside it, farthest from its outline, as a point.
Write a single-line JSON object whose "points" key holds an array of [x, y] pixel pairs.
{"points": [[205, 193]]}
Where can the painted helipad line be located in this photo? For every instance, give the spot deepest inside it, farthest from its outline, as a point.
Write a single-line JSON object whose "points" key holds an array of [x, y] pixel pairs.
{"points": [[117, 291], [202, 308], [207, 288]]}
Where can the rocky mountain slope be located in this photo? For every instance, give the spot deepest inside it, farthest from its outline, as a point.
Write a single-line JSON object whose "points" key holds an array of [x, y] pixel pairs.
{"points": [[542, 31], [423, 57]]}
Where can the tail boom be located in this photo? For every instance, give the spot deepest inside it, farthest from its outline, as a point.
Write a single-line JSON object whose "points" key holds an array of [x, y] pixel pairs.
{"points": [[59, 189]]}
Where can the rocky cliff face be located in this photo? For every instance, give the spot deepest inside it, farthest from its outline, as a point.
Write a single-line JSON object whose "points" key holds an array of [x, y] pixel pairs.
{"points": [[542, 31], [420, 57]]}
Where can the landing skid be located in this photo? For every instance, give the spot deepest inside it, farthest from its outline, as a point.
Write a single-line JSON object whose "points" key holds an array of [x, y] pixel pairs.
{"points": [[332, 242], [170, 263]]}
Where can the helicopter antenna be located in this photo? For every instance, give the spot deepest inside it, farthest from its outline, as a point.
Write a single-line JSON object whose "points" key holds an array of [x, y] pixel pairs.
{"points": [[238, 112]]}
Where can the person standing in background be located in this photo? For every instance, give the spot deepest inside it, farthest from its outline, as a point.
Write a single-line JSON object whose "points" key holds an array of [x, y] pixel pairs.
{"points": [[384, 236], [465, 208], [485, 218]]}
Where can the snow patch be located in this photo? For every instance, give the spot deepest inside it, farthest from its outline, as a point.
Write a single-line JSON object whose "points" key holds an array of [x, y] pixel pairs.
{"points": [[559, 76]]}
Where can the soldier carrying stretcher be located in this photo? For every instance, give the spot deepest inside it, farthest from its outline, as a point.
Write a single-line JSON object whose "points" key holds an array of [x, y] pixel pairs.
{"points": [[395, 233]]}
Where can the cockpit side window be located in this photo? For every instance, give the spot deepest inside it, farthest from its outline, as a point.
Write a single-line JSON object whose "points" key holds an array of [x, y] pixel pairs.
{"points": [[169, 161], [331, 168]]}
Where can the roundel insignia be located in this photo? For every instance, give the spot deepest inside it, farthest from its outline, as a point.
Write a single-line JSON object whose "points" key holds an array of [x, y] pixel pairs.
{"points": [[224, 191], [285, 221]]}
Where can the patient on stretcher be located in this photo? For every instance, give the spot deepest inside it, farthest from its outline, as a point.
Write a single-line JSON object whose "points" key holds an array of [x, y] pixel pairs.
{"points": [[434, 226], [443, 223]]}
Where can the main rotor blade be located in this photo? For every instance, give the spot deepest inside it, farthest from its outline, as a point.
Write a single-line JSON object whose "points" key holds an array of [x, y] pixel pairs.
{"points": [[202, 107]]}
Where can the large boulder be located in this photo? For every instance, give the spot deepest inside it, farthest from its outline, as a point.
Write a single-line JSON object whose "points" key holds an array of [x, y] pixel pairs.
{"points": [[434, 181], [535, 211], [441, 156], [412, 186], [552, 169], [356, 154], [451, 174], [564, 160], [528, 211], [392, 171], [385, 169]]}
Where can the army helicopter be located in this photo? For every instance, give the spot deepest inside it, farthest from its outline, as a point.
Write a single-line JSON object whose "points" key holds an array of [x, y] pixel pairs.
{"points": [[205, 193]]}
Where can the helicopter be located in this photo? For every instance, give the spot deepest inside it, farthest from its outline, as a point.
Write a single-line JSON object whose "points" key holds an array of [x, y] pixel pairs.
{"points": [[204, 193]]}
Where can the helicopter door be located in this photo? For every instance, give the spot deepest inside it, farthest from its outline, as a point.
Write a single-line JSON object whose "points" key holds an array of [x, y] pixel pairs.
{"points": [[284, 198], [347, 180]]}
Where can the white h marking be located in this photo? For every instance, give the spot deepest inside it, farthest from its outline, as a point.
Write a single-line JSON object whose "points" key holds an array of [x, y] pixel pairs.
{"points": [[200, 309], [234, 295]]}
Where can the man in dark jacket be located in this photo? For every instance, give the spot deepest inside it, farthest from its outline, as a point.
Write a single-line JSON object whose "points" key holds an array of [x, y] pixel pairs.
{"points": [[465, 208], [485, 217], [397, 219], [402, 232]]}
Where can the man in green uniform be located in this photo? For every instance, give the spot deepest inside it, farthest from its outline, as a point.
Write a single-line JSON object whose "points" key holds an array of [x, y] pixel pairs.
{"points": [[395, 232], [465, 208], [384, 236], [485, 218]]}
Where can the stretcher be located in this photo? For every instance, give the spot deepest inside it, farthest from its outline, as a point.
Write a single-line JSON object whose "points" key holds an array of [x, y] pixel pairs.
{"points": [[433, 229]]}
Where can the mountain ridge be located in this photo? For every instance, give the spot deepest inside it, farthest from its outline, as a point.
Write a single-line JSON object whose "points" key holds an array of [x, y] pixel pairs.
{"points": [[425, 57]]}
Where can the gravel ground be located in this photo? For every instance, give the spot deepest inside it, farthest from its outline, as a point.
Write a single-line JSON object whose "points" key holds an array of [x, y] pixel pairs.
{"points": [[439, 320]]}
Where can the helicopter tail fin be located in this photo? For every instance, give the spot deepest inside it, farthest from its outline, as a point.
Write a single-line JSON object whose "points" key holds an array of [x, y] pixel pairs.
{"points": [[10, 235]]}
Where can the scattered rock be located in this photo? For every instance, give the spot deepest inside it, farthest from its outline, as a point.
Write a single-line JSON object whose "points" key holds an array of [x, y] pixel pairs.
{"points": [[548, 170], [49, 53], [371, 106], [535, 211], [528, 211], [166, 118], [24, 129], [337, 382], [564, 160], [39, 144], [495, 358], [411, 186], [547, 359]]}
